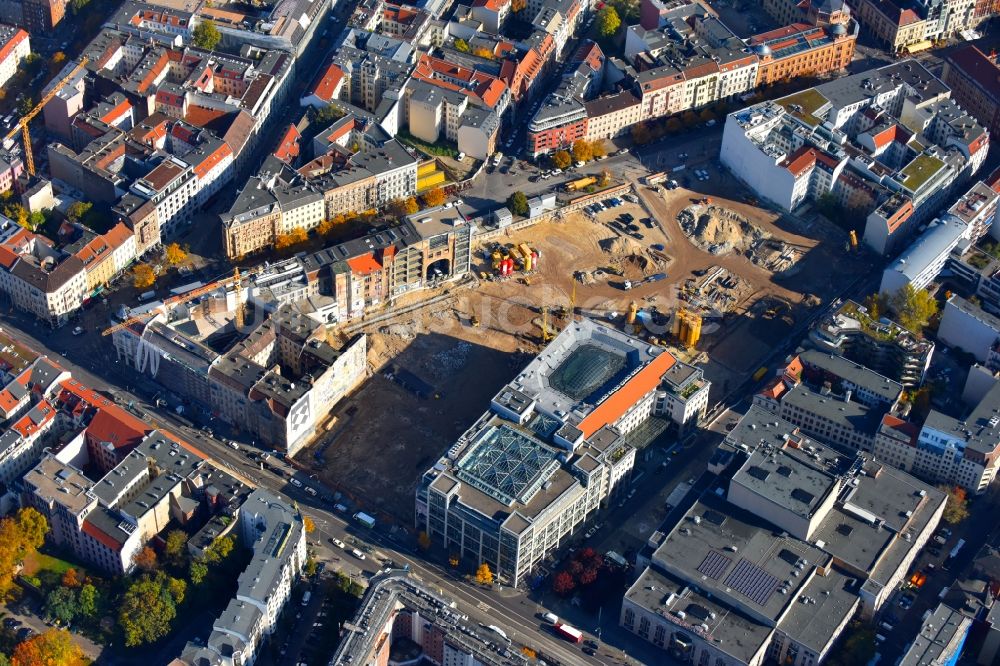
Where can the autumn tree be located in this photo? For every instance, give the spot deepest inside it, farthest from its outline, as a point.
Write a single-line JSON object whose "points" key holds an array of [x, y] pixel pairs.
{"points": [[518, 5], [563, 583], [461, 45], [434, 197], [582, 152], [640, 134], [309, 525], [957, 507], [54, 647], [528, 652], [597, 148], [561, 159], [311, 567], [913, 307], [402, 207], [145, 559], [483, 574], [143, 276], [20, 535], [424, 541], [673, 126], [207, 36], [294, 237], [483, 52], [605, 178], [517, 203], [453, 560], [58, 58], [175, 254], [70, 578], [325, 227], [176, 547]]}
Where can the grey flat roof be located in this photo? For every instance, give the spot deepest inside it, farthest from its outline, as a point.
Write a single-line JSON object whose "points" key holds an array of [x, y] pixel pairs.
{"points": [[941, 637], [785, 480], [730, 631], [848, 414], [830, 600], [885, 388], [978, 430], [737, 556]]}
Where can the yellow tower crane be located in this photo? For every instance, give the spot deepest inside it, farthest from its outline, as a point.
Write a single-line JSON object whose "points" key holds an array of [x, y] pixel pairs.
{"points": [[25, 120], [240, 311]]}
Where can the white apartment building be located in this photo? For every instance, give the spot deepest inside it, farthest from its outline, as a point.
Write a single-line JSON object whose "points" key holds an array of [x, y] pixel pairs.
{"points": [[947, 450], [14, 48], [40, 279]]}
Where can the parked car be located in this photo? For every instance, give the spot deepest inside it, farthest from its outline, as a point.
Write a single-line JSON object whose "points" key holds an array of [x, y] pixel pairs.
{"points": [[337, 542], [357, 553], [78, 330], [296, 483]]}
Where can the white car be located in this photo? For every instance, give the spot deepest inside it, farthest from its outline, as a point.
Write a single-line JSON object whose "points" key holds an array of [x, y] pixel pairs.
{"points": [[78, 331], [296, 483], [338, 543], [357, 553]]}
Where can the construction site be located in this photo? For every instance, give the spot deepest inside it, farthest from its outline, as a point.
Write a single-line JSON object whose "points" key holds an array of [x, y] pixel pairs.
{"points": [[721, 311]]}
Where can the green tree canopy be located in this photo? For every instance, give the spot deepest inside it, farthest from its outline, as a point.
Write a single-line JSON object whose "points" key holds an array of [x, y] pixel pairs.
{"points": [[61, 604], [88, 600], [608, 22], [148, 608], [517, 203], [913, 308], [207, 36]]}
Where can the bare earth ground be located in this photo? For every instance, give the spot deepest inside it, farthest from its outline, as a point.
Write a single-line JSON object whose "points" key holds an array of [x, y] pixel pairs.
{"points": [[387, 435]]}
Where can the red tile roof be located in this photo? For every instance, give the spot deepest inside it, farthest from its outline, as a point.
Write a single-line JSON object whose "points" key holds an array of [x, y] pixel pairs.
{"points": [[364, 264], [992, 180], [775, 389], [892, 133], [619, 402], [801, 161], [120, 110], [904, 427], [326, 84], [27, 426], [199, 116], [12, 43], [212, 160], [288, 147], [111, 423], [99, 535]]}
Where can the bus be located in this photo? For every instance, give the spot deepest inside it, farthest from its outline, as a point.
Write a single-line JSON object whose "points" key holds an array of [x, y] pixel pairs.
{"points": [[364, 519], [569, 633]]}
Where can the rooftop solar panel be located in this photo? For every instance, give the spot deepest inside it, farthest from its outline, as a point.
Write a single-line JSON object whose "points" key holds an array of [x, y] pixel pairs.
{"points": [[752, 582], [714, 564]]}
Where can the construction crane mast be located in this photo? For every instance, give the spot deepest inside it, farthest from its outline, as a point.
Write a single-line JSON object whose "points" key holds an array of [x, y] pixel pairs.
{"points": [[25, 120]]}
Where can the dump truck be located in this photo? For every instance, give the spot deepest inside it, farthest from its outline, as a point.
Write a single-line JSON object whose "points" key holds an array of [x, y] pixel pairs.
{"points": [[656, 277]]}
